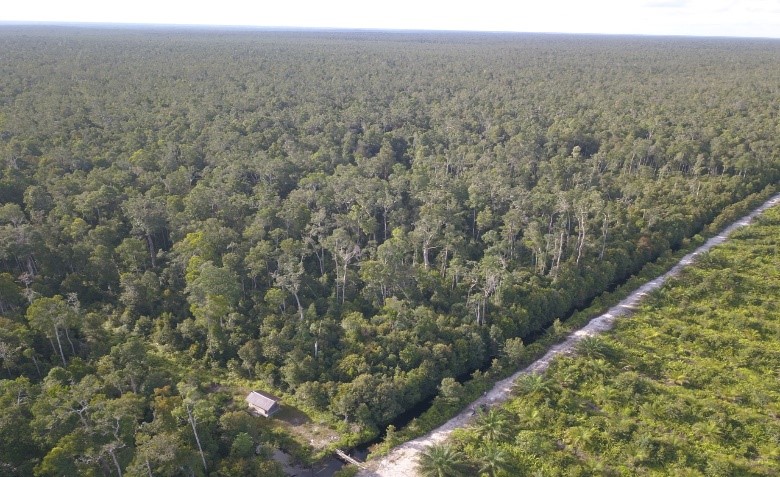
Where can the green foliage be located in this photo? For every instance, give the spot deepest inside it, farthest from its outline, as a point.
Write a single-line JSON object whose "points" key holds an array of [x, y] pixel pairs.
{"points": [[347, 471], [354, 232], [442, 460], [678, 388], [242, 446]]}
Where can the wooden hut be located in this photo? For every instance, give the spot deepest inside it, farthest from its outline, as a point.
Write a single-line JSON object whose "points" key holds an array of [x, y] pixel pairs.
{"points": [[263, 403]]}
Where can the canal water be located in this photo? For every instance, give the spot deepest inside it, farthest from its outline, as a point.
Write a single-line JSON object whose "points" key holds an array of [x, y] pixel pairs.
{"points": [[324, 468], [328, 466]]}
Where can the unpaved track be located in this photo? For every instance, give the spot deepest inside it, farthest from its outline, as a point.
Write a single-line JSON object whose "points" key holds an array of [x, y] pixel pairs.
{"points": [[402, 460]]}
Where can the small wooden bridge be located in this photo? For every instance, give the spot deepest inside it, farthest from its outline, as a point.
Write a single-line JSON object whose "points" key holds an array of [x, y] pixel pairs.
{"points": [[346, 458]]}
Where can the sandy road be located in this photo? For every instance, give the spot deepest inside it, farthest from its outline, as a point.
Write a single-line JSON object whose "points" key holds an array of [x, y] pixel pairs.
{"points": [[402, 460]]}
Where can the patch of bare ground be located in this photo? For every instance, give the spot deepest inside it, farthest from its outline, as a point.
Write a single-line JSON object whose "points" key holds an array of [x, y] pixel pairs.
{"points": [[299, 424], [291, 420]]}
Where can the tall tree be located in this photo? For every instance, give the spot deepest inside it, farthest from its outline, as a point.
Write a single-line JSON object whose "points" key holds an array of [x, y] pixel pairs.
{"points": [[344, 249], [51, 316]]}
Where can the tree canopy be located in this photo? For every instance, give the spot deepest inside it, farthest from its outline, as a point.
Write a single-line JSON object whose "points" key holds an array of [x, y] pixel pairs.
{"points": [[344, 218]]}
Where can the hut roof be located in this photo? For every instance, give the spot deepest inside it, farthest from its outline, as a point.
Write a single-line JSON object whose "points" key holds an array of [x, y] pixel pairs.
{"points": [[262, 400]]}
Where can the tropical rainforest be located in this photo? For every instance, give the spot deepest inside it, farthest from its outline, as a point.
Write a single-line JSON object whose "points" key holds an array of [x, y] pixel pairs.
{"points": [[686, 387], [344, 219]]}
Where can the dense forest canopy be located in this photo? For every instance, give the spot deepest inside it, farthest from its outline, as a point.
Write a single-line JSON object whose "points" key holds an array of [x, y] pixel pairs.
{"points": [[345, 218]]}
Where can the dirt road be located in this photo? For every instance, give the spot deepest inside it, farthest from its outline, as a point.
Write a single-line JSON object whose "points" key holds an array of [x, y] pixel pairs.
{"points": [[402, 461]]}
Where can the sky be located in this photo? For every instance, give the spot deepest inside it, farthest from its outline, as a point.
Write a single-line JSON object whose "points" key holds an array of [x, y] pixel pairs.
{"points": [[742, 18]]}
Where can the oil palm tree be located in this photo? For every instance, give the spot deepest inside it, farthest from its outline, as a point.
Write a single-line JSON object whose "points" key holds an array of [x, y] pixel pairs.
{"points": [[494, 461], [442, 460], [492, 425], [535, 387], [592, 347]]}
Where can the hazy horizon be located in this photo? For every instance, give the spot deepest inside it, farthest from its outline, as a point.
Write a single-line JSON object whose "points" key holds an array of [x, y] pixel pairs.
{"points": [[294, 29], [696, 18]]}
